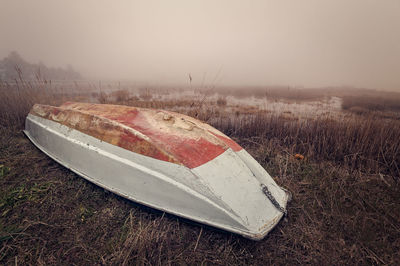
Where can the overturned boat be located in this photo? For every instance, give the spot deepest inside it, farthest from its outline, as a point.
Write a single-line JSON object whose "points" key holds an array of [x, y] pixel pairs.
{"points": [[162, 159]]}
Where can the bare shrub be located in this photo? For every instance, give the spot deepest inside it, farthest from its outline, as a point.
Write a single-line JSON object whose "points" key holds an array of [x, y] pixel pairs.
{"points": [[221, 101], [145, 94], [134, 98], [102, 97], [120, 95]]}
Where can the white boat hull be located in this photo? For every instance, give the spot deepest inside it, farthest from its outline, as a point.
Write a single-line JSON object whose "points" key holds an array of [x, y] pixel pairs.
{"points": [[225, 192]]}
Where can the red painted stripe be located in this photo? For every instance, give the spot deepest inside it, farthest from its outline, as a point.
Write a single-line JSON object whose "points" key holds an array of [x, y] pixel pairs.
{"points": [[173, 145], [190, 152]]}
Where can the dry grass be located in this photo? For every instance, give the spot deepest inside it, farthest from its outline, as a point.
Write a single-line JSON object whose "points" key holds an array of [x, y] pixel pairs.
{"points": [[345, 208], [368, 145]]}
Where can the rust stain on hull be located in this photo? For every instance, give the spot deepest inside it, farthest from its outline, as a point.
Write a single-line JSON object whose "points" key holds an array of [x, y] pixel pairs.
{"points": [[159, 134]]}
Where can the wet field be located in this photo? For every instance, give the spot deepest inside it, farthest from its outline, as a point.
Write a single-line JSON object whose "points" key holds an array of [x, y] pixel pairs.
{"points": [[345, 184]]}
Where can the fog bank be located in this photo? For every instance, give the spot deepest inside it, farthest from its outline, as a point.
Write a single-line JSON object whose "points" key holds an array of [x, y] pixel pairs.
{"points": [[307, 43]]}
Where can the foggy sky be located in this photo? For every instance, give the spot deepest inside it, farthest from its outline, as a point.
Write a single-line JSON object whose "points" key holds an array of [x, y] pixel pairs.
{"points": [[307, 43]]}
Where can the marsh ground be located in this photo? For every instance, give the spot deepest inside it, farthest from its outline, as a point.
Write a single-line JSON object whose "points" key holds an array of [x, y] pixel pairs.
{"points": [[345, 207]]}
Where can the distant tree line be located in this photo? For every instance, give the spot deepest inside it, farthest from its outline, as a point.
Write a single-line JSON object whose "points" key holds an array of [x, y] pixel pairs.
{"points": [[14, 66]]}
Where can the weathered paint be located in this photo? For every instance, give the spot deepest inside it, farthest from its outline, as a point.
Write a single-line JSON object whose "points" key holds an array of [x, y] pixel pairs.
{"points": [[225, 192], [159, 134]]}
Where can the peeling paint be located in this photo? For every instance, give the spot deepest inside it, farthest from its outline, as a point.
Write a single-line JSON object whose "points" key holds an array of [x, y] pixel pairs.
{"points": [[159, 134]]}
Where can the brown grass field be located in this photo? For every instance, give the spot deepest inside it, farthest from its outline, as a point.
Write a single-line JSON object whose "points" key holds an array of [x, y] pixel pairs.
{"points": [[345, 207]]}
